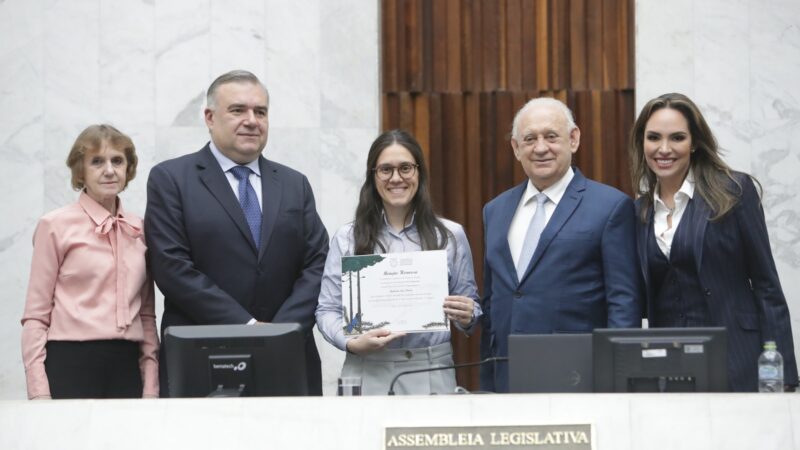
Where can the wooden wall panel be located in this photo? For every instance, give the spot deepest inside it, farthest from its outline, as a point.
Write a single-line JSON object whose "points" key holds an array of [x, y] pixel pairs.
{"points": [[406, 111], [455, 180], [597, 126], [541, 45], [626, 112], [491, 47], [454, 46], [455, 72], [414, 25], [427, 50], [422, 124], [559, 20], [625, 46], [577, 45], [514, 45], [439, 35], [504, 114], [473, 53], [473, 223], [594, 43], [488, 111], [582, 109], [528, 11], [437, 155]]}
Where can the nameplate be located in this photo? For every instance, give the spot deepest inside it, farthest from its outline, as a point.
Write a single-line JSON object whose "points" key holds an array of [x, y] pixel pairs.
{"points": [[540, 437]]}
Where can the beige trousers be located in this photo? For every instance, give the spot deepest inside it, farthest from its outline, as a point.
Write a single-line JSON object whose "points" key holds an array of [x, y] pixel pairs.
{"points": [[378, 369]]}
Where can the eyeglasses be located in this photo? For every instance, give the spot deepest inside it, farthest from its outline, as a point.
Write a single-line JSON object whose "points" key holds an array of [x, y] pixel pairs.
{"points": [[385, 172]]}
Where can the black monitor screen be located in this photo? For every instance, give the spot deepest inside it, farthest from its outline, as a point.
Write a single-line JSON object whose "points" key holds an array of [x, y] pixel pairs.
{"points": [[236, 360], [660, 360]]}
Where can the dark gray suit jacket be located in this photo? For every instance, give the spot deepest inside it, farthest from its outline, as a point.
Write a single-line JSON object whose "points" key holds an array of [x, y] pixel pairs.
{"points": [[204, 260]]}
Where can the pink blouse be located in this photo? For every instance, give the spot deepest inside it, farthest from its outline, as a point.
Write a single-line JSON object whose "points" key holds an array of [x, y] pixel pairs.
{"points": [[89, 281]]}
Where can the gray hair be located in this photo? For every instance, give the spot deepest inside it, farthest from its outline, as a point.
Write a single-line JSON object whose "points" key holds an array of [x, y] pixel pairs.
{"points": [[543, 101], [234, 76]]}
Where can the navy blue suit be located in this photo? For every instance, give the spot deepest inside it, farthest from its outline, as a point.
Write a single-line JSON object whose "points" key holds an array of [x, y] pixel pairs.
{"points": [[735, 283], [583, 274], [204, 259]]}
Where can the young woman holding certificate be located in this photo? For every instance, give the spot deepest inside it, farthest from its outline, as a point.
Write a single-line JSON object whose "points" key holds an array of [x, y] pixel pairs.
{"points": [[395, 215]]}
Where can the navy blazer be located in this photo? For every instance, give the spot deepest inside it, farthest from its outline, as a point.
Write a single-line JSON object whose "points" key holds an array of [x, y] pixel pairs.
{"points": [[204, 259], [738, 276], [583, 274]]}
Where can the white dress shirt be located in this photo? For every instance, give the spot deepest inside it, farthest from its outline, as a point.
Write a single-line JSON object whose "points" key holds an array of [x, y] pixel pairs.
{"points": [[664, 233], [527, 208], [227, 164]]}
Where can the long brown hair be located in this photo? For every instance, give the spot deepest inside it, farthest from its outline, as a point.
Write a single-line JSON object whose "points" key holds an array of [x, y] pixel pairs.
{"points": [[714, 180], [369, 213]]}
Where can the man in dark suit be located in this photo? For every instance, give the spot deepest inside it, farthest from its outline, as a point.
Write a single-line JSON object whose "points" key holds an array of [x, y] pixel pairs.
{"points": [[234, 238], [560, 252]]}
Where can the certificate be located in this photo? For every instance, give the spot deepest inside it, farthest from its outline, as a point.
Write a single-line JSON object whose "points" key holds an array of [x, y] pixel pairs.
{"points": [[397, 291]]}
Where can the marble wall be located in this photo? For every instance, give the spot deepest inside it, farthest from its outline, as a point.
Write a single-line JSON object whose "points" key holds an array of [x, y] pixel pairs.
{"points": [[144, 66], [738, 60]]}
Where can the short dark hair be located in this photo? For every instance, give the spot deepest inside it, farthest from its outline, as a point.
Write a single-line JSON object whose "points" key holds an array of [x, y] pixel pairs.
{"points": [[234, 76], [91, 140]]}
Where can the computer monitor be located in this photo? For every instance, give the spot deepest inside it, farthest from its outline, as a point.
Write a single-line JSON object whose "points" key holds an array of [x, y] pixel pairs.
{"points": [[660, 360], [544, 363], [236, 360]]}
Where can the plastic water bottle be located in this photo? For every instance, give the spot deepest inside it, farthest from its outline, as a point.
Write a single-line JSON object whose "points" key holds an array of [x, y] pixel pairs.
{"points": [[770, 369]]}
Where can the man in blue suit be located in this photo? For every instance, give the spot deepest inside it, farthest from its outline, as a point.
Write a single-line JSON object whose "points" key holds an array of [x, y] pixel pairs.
{"points": [[560, 251], [234, 238]]}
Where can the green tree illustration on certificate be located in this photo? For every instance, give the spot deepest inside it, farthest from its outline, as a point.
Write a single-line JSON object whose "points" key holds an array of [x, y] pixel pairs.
{"points": [[397, 291]]}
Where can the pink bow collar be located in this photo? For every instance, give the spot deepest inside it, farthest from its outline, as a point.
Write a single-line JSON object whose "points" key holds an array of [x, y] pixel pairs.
{"points": [[107, 225]]}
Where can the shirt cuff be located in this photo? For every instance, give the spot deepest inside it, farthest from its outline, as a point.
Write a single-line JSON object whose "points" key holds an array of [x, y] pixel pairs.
{"points": [[150, 380], [252, 321], [469, 329], [38, 386]]}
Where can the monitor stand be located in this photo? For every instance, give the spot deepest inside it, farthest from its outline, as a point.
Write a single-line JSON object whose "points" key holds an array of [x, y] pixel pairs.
{"points": [[226, 392]]}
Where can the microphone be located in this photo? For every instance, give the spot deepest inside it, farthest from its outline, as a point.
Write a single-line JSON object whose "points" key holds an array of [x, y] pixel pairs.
{"points": [[493, 359]]}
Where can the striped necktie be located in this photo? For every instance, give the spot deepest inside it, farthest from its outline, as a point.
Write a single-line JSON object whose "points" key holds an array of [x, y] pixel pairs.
{"points": [[249, 202]]}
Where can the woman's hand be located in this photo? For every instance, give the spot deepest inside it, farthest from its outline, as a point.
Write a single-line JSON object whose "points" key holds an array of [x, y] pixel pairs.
{"points": [[459, 309], [371, 341]]}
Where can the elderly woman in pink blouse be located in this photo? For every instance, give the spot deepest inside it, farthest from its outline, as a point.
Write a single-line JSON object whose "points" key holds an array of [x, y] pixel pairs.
{"points": [[89, 328]]}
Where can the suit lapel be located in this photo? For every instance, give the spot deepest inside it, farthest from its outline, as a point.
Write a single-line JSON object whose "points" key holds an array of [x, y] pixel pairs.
{"points": [[271, 195], [214, 179], [507, 212], [698, 232], [569, 202], [641, 242]]}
